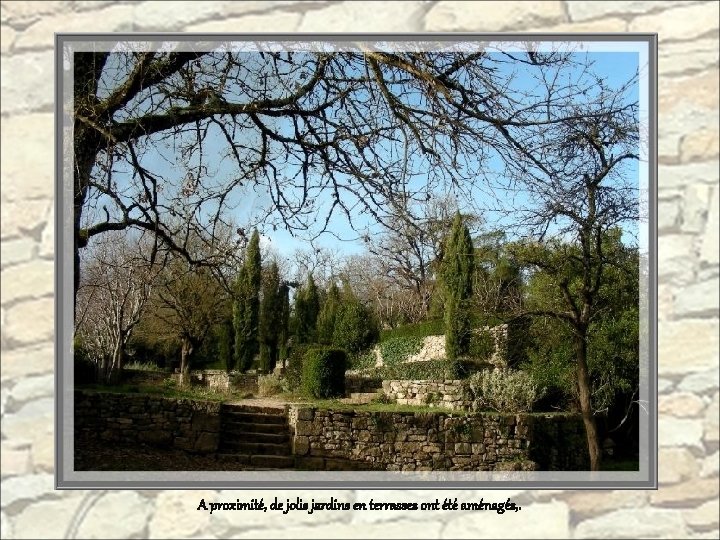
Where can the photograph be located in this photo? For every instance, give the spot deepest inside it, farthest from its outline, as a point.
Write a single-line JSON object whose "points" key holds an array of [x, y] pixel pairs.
{"points": [[425, 256]]}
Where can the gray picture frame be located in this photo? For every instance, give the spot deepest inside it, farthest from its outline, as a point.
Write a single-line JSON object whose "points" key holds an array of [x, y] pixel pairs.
{"points": [[67, 478]]}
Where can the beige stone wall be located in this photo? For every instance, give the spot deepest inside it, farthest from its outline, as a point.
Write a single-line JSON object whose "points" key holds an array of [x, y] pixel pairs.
{"points": [[685, 506], [326, 439]]}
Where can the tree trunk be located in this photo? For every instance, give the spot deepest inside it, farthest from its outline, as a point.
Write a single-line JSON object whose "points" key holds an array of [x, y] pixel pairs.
{"points": [[583, 383], [115, 373], [185, 352]]}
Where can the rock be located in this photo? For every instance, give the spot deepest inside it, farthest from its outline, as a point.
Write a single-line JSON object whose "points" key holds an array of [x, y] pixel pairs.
{"points": [[635, 523], [21, 488], [37, 519], [119, 514], [171, 518]]}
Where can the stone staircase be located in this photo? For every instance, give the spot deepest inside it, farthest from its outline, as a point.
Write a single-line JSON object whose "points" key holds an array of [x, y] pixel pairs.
{"points": [[258, 437]]}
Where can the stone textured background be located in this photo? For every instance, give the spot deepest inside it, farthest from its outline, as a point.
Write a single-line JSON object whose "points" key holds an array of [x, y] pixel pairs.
{"points": [[685, 506]]}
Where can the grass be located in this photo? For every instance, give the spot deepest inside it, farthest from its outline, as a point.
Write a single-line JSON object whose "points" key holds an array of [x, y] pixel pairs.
{"points": [[143, 366], [376, 406], [168, 391]]}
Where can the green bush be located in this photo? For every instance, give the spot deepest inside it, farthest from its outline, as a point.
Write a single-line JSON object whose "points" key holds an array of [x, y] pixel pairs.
{"points": [[435, 327], [363, 360], [482, 345], [397, 350], [293, 366], [355, 328], [503, 390], [323, 373], [269, 385]]}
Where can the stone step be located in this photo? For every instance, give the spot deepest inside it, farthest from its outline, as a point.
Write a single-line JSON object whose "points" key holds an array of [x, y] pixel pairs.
{"points": [[255, 418], [244, 436], [254, 409], [259, 463], [254, 449], [250, 427], [276, 462]]}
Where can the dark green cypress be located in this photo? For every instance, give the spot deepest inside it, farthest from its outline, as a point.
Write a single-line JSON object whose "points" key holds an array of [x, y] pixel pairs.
{"points": [[458, 268], [327, 316], [239, 318], [284, 324], [246, 314], [307, 307], [270, 312]]}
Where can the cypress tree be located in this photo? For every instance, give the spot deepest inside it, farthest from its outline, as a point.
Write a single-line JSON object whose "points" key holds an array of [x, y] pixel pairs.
{"points": [[270, 312], [284, 322], [307, 307], [458, 268], [328, 315], [246, 314], [239, 318]]}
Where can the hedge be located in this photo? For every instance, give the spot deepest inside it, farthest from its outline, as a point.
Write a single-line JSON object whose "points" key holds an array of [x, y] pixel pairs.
{"points": [[323, 373]]}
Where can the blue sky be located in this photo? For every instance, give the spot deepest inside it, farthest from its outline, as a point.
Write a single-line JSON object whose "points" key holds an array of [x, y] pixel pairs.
{"points": [[618, 67]]}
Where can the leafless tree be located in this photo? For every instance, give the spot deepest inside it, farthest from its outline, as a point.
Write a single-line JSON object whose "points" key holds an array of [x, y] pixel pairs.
{"points": [[170, 133], [578, 187], [117, 282]]}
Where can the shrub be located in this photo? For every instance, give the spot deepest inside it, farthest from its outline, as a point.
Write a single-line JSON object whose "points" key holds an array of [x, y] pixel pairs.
{"points": [[397, 350], [503, 390], [423, 329], [142, 366], [293, 366], [355, 328], [363, 360], [269, 385], [482, 345], [323, 373]]}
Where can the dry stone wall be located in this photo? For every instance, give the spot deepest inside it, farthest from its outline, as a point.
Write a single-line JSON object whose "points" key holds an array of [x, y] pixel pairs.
{"points": [[425, 441], [189, 425], [433, 347], [451, 394]]}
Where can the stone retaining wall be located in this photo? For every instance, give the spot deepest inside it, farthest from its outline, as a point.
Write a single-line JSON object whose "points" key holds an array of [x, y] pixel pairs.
{"points": [[184, 424], [327, 439], [451, 394], [223, 381], [359, 383]]}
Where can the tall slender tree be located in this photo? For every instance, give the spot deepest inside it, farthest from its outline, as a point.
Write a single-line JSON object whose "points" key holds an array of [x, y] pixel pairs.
{"points": [[328, 315], [270, 313], [247, 306], [458, 268], [284, 322], [307, 307]]}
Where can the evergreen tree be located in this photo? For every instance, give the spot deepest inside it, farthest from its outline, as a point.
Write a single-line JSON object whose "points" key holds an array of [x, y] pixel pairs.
{"points": [[307, 307], [284, 321], [239, 318], [328, 315], [270, 313], [246, 314], [458, 268], [225, 344]]}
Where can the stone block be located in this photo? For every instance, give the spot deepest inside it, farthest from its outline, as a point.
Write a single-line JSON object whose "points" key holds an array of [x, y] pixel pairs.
{"points": [[493, 16], [301, 445], [207, 442]]}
